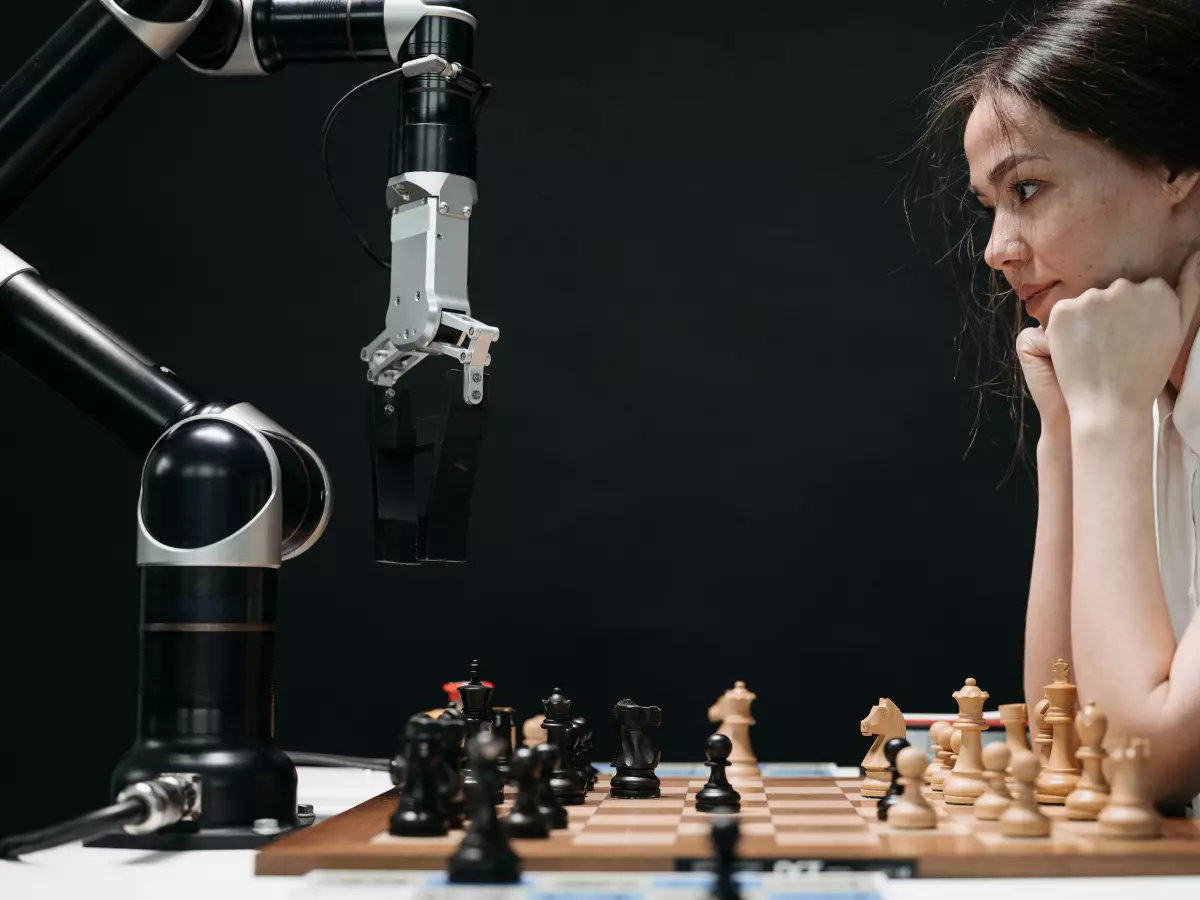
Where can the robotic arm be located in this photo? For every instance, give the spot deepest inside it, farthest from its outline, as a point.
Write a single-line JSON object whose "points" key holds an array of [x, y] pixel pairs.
{"points": [[228, 494]]}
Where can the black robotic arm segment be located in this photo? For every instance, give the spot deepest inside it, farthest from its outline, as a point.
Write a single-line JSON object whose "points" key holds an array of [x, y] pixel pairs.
{"points": [[84, 70], [83, 361], [257, 37]]}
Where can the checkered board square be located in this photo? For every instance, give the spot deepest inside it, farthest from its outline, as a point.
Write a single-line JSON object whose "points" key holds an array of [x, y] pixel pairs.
{"points": [[806, 821]]}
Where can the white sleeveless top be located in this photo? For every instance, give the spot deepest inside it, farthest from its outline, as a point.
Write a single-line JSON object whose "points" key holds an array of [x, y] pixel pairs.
{"points": [[1176, 500], [1177, 497]]}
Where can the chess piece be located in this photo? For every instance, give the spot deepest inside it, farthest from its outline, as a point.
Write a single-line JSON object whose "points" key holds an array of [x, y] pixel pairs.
{"points": [[452, 732], [885, 721], [502, 728], [1023, 818], [965, 783], [1060, 775], [474, 697], [945, 755], [579, 757], [911, 809], [996, 759], [718, 795], [1091, 793], [732, 711], [564, 780], [724, 835], [587, 771], [525, 819], [1043, 734], [484, 856], [890, 750], [1013, 716], [532, 732], [639, 757], [1129, 812], [421, 811], [552, 811], [935, 741]]}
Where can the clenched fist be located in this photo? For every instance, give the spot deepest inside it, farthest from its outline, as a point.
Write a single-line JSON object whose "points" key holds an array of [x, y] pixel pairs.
{"points": [[1113, 348]]}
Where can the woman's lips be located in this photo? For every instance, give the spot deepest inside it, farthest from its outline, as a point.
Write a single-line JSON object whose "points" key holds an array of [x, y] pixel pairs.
{"points": [[1034, 302]]}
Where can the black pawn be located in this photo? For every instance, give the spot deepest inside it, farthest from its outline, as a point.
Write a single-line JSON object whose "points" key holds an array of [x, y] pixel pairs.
{"points": [[718, 794], [547, 801], [725, 834], [484, 856], [525, 819], [890, 751]]}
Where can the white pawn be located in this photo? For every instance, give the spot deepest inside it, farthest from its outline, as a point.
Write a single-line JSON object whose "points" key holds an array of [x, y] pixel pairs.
{"points": [[935, 747], [911, 809], [1091, 793], [992, 805], [946, 751], [1023, 818], [532, 732], [1129, 813]]}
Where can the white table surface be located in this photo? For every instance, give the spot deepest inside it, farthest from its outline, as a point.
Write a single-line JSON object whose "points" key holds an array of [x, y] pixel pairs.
{"points": [[74, 871]]}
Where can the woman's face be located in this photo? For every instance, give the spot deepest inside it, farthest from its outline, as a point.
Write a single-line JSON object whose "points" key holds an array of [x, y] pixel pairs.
{"points": [[1068, 213]]}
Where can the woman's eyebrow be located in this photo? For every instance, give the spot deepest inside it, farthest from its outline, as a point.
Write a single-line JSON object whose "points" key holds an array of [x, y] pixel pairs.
{"points": [[1005, 166]]}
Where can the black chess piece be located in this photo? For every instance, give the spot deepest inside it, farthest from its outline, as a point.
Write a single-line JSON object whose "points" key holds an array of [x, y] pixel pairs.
{"points": [[552, 810], [525, 819], [639, 757], [718, 794], [502, 728], [453, 733], [725, 834], [589, 772], [564, 780], [890, 751], [475, 697], [484, 856], [583, 747], [421, 812]]}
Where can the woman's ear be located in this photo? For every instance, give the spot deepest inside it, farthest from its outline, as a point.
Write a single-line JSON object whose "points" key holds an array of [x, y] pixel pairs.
{"points": [[1178, 184]]}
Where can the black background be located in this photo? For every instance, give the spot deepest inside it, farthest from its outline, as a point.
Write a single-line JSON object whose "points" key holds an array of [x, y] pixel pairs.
{"points": [[729, 424]]}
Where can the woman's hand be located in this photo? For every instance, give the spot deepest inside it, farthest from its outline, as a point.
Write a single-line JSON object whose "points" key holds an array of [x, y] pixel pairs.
{"points": [[1033, 351], [1114, 348]]}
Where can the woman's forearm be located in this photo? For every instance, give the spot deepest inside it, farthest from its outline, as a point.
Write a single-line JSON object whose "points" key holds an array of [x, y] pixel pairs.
{"points": [[1048, 615], [1124, 645], [1119, 611]]}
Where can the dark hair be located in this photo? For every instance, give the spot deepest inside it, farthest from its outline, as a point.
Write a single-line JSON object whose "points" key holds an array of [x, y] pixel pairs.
{"points": [[1125, 72]]}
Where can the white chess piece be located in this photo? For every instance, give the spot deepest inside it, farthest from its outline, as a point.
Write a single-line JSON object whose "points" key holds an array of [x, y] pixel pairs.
{"points": [[991, 806], [1129, 813], [911, 809]]}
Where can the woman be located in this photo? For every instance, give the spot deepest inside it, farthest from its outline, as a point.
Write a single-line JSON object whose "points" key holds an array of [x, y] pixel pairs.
{"points": [[1082, 138]]}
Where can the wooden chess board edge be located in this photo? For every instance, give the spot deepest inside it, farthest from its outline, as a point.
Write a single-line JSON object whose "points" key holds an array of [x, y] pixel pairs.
{"points": [[344, 842], [1057, 865]]}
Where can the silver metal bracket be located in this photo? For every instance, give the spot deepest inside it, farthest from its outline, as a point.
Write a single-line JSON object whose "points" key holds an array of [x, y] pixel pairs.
{"points": [[429, 313], [163, 38], [400, 17]]}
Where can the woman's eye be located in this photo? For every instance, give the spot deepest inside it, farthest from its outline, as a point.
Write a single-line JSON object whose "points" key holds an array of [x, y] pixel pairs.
{"points": [[1020, 187]]}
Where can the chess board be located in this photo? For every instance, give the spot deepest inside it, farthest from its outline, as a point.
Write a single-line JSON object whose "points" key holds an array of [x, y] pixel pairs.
{"points": [[788, 824]]}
